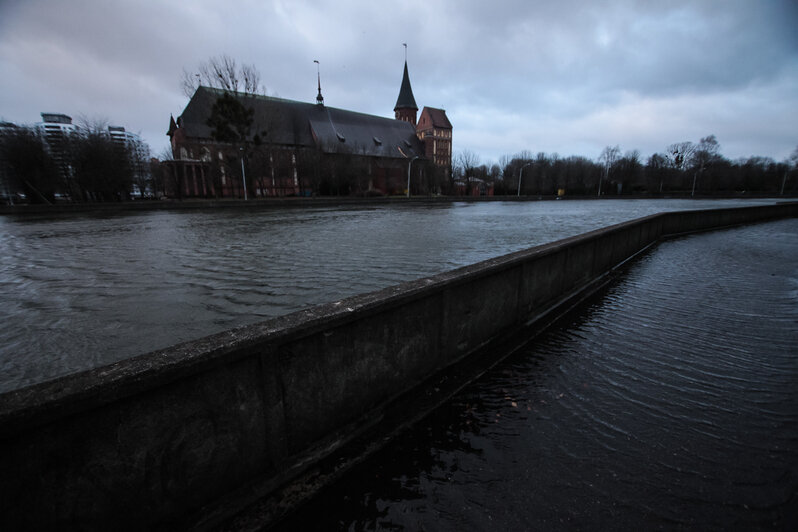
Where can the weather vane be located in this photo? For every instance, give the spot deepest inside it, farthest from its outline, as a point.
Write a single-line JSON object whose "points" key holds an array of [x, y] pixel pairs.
{"points": [[405, 45]]}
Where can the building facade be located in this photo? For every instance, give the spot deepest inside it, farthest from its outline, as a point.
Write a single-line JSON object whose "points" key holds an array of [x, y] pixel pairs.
{"points": [[435, 130], [432, 127], [293, 148]]}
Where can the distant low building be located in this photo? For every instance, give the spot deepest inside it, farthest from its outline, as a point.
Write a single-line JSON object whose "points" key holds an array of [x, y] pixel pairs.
{"points": [[304, 148], [473, 186]]}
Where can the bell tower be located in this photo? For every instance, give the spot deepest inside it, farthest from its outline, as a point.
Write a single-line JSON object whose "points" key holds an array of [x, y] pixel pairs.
{"points": [[406, 108]]}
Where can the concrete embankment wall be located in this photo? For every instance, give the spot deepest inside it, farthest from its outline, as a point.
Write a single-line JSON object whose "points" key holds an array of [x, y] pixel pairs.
{"points": [[147, 441]]}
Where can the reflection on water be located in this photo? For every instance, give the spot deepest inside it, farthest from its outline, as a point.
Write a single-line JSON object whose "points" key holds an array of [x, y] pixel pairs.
{"points": [[672, 402], [85, 290]]}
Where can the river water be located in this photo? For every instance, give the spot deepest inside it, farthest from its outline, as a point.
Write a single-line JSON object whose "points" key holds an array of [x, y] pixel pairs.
{"points": [[84, 290], [669, 403]]}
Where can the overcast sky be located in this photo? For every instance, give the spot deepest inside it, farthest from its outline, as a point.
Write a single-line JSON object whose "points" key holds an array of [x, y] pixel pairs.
{"points": [[563, 76]]}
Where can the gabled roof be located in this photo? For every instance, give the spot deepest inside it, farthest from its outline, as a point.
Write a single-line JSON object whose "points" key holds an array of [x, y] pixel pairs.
{"points": [[306, 125], [406, 99], [437, 117]]}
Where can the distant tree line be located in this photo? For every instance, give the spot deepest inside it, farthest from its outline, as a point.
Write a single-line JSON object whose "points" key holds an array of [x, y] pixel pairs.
{"points": [[684, 168], [85, 165]]}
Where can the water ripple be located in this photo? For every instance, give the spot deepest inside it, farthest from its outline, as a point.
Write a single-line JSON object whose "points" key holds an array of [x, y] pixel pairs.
{"points": [[84, 290], [670, 403]]}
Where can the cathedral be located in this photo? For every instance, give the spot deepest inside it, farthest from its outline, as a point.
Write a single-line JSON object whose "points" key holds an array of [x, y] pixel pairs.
{"points": [[293, 148]]}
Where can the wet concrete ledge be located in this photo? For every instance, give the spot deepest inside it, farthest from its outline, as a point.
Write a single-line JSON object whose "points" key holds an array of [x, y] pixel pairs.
{"points": [[155, 440]]}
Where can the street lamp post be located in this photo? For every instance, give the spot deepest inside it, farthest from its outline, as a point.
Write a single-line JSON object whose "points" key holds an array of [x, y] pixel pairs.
{"points": [[243, 174], [408, 173], [521, 176]]}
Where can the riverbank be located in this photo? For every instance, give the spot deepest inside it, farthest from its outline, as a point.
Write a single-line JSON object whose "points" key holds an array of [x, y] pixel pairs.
{"points": [[326, 201]]}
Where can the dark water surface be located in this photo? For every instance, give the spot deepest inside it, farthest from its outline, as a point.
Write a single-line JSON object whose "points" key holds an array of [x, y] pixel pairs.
{"points": [[671, 402], [80, 290]]}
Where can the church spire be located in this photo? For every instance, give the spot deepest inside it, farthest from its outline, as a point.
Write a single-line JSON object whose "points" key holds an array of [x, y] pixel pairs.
{"points": [[319, 97], [406, 107]]}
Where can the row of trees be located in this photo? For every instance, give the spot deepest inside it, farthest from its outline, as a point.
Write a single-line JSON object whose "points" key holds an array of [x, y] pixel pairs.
{"points": [[85, 165], [682, 168]]}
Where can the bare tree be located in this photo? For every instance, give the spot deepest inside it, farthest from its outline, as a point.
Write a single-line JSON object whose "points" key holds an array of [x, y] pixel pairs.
{"points": [[703, 155], [680, 154], [707, 149], [656, 170], [28, 166], [628, 170], [103, 169], [790, 164], [466, 161], [609, 156], [143, 178], [495, 172], [542, 167], [222, 73], [92, 124], [232, 116]]}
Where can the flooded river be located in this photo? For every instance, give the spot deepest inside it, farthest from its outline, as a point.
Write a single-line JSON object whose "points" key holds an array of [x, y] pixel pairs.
{"points": [[671, 402], [83, 290]]}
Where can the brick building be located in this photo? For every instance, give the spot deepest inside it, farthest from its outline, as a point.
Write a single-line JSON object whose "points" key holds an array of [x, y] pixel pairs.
{"points": [[305, 148], [435, 130], [433, 127]]}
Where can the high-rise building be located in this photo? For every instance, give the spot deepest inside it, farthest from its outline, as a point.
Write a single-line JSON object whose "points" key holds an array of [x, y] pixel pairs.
{"points": [[56, 128], [138, 154]]}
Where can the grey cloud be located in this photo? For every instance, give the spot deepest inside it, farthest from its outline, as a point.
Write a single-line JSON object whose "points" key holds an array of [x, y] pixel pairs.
{"points": [[568, 65]]}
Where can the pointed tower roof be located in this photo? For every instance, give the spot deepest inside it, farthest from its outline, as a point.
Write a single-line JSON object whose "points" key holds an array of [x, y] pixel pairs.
{"points": [[406, 99], [172, 126]]}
